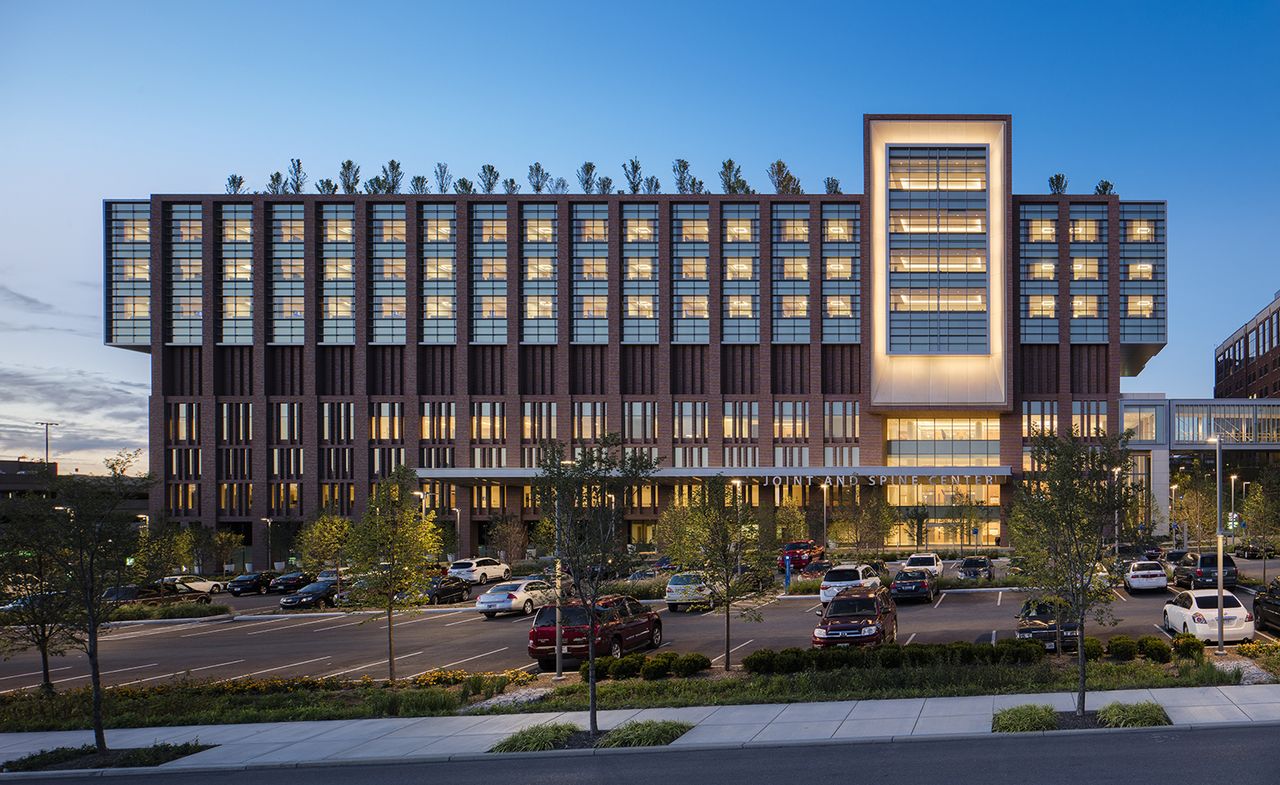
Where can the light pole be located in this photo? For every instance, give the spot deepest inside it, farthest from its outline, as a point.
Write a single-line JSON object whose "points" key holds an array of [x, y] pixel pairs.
{"points": [[559, 589], [1173, 506], [825, 487], [47, 426], [270, 563], [1217, 470], [457, 526], [1232, 517], [1244, 500]]}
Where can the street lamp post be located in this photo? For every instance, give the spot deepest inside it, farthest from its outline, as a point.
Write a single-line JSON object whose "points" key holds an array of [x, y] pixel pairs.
{"points": [[1173, 506], [47, 425], [559, 590], [1217, 468], [457, 526], [1232, 518], [826, 486], [270, 564]]}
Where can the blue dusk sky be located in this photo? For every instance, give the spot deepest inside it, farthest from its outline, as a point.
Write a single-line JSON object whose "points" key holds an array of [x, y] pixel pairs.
{"points": [[1173, 101]]}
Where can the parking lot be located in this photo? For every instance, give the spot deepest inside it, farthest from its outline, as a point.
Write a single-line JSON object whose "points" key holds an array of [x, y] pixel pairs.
{"points": [[354, 645]]}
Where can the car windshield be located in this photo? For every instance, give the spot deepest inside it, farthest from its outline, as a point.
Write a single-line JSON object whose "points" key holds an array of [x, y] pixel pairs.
{"points": [[852, 606], [1210, 602], [911, 575], [1212, 561], [1038, 610], [461, 565], [796, 546], [248, 576], [920, 561], [571, 616], [291, 575], [688, 579], [1146, 566], [974, 562], [503, 588], [840, 574], [319, 587]]}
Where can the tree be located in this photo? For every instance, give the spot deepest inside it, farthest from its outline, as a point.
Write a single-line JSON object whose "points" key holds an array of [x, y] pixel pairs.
{"points": [[604, 185], [684, 180], [510, 186], [1197, 503], [392, 177], [559, 186], [587, 177], [418, 184], [39, 613], [223, 546], [275, 184], [832, 185], [489, 178], [632, 174], [1104, 187], [509, 534], [586, 496], [161, 550], [297, 177], [464, 186], [93, 540], [652, 185], [731, 181], [376, 185], [696, 186], [916, 518], [326, 186], [865, 520], [543, 535], [235, 184], [790, 522], [391, 548], [349, 177], [1058, 183], [538, 177], [784, 182], [1262, 509], [323, 543], [717, 535], [1060, 521], [967, 514], [443, 178]]}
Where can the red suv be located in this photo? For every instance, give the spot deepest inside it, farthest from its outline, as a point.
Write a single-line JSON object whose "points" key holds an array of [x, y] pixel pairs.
{"points": [[625, 625], [801, 552], [857, 617]]}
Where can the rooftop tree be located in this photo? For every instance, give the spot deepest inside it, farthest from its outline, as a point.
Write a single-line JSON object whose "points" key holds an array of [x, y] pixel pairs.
{"points": [[444, 180], [510, 186], [276, 184], [784, 182], [538, 177], [1058, 183], [326, 186], [489, 178], [587, 177], [297, 177], [684, 180], [731, 181], [652, 185], [632, 174], [349, 177], [832, 185], [235, 184], [464, 186], [559, 186], [418, 184], [392, 177], [1104, 187], [604, 185]]}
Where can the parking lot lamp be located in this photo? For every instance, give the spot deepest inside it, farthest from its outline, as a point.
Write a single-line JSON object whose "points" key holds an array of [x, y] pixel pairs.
{"points": [[564, 464], [1216, 440], [1116, 519], [1173, 507], [270, 564], [825, 487]]}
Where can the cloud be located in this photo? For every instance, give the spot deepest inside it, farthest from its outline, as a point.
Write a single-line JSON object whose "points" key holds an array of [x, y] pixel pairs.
{"points": [[83, 332], [15, 299]]}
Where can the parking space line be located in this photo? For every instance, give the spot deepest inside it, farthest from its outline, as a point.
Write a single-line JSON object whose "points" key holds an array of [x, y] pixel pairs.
{"points": [[814, 608], [735, 648], [277, 668], [523, 618], [34, 673], [459, 662], [999, 597], [1263, 634], [346, 624], [424, 617], [136, 633], [477, 617], [910, 638], [1118, 594], [382, 661], [84, 676], [940, 599], [178, 673], [291, 626], [224, 628], [1163, 631], [993, 637]]}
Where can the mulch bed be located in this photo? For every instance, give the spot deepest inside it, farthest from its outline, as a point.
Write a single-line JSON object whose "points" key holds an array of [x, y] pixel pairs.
{"points": [[582, 740], [1067, 720]]}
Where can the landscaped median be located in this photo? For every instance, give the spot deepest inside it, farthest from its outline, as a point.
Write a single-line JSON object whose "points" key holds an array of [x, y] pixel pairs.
{"points": [[176, 612]]}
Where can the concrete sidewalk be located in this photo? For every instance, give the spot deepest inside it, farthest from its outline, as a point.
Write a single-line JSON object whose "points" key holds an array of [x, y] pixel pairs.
{"points": [[442, 738]]}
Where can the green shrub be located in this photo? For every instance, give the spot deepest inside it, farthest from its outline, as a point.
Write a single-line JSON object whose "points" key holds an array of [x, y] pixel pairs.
{"points": [[627, 667], [181, 610], [1015, 651], [924, 654], [1122, 648], [154, 755], [1147, 714], [804, 586], [645, 733], [1025, 719], [890, 656], [791, 660], [603, 664], [1093, 648], [1154, 649], [655, 668], [760, 661], [1188, 647], [689, 664], [538, 738], [651, 589]]}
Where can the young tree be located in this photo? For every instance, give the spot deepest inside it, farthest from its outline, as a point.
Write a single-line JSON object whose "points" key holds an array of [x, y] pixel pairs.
{"points": [[1058, 183], [1104, 187], [161, 550], [376, 185], [587, 497], [510, 535], [510, 186], [464, 186], [832, 185], [967, 515], [275, 184], [391, 548], [443, 179], [559, 186], [489, 178], [790, 522], [235, 184], [1060, 522], [632, 174], [223, 546], [696, 186], [717, 535], [784, 182], [587, 177], [1197, 504], [297, 177], [652, 185], [349, 177], [392, 177], [538, 177], [326, 186], [684, 180], [323, 543], [418, 184], [1262, 509], [864, 521], [916, 518], [95, 536], [731, 181]]}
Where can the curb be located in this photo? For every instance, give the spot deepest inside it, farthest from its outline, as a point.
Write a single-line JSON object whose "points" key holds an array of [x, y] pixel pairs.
{"points": [[111, 625], [490, 756]]}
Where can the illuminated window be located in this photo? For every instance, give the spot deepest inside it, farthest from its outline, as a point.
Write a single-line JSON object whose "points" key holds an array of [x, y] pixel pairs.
{"points": [[437, 269], [491, 268], [938, 300], [1042, 306], [539, 230], [837, 230], [838, 268], [790, 420], [539, 307], [591, 230], [389, 307], [690, 230], [933, 222], [945, 260], [691, 306], [640, 269], [795, 268], [639, 306], [539, 269], [793, 306], [693, 268], [1084, 230], [491, 307], [1039, 417], [1084, 306], [741, 306], [338, 307], [1141, 306], [1089, 418], [1042, 271], [592, 269], [1142, 421], [490, 231], [640, 230], [437, 307], [739, 269], [437, 230], [1141, 271], [339, 230], [954, 441], [838, 306], [738, 230], [1140, 231], [593, 306], [1084, 269], [487, 421], [1042, 230], [793, 230]]}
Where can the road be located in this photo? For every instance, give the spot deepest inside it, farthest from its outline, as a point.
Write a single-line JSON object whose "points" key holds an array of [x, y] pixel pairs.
{"points": [[1064, 758]]}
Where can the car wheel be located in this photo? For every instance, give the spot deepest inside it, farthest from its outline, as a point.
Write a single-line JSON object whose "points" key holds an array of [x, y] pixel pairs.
{"points": [[435, 599], [893, 634], [489, 614], [506, 574], [528, 607], [1185, 631], [615, 648], [215, 588], [673, 607], [1166, 621], [655, 637], [262, 590]]}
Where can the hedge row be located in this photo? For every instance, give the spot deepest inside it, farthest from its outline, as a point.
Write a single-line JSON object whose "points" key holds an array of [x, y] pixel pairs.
{"points": [[653, 667], [768, 661]]}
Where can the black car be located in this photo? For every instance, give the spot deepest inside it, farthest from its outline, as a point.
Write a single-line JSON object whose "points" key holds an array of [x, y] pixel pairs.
{"points": [[1038, 621], [1266, 605], [289, 582], [975, 568], [320, 594], [1172, 557], [251, 583], [914, 584], [153, 594], [1200, 570], [439, 591], [815, 569], [1254, 549]]}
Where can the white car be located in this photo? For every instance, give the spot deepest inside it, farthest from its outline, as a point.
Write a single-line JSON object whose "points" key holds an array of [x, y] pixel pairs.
{"points": [[1145, 576], [332, 573], [481, 570], [847, 576], [196, 582], [1196, 612], [519, 596], [924, 561], [687, 589]]}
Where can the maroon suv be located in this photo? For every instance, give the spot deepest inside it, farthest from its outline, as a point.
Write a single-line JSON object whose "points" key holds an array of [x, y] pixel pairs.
{"points": [[857, 617], [625, 625], [801, 552]]}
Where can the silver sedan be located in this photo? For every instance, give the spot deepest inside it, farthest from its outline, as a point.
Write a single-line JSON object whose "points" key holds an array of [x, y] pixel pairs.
{"points": [[520, 596]]}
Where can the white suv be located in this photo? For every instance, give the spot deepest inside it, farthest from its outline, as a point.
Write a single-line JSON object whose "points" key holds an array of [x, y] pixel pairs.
{"points": [[931, 562], [481, 570], [847, 576]]}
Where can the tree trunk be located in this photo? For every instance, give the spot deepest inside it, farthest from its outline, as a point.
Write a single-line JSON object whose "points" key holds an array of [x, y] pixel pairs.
{"points": [[726, 634], [1081, 664], [391, 645], [46, 684], [591, 678], [95, 680]]}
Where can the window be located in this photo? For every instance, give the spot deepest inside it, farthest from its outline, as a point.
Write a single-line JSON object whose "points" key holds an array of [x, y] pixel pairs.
{"points": [[838, 268], [692, 268], [539, 307], [490, 230], [1042, 230], [437, 230], [793, 306], [640, 269], [1142, 421], [491, 268], [1089, 418], [738, 230], [487, 422], [1084, 306], [437, 307], [539, 269], [1039, 417], [639, 306], [639, 421], [837, 230], [640, 230], [691, 306], [1042, 271], [839, 421], [385, 421], [1042, 306], [1141, 271], [838, 306], [689, 421], [592, 269], [1084, 269], [1140, 231], [437, 269], [1084, 230], [590, 230], [795, 269], [938, 300], [943, 441], [491, 307], [593, 306], [792, 230], [690, 230], [741, 306], [1140, 306], [934, 222], [588, 420], [741, 420], [790, 420], [741, 268]]}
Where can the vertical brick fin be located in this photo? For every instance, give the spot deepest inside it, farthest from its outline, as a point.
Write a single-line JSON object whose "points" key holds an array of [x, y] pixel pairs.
{"points": [[233, 370], [1090, 373], [791, 369], [639, 369], [842, 369], [487, 373], [537, 370], [435, 370], [689, 369], [386, 370], [738, 369], [335, 370], [182, 374], [1038, 369], [587, 369], [285, 370]]}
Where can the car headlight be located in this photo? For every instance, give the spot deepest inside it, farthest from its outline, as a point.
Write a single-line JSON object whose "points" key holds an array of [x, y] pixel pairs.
{"points": [[819, 632], [871, 629], [1070, 633], [1025, 635]]}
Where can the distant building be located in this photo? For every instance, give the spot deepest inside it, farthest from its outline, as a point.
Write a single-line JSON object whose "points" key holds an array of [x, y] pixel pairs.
{"points": [[1247, 364], [22, 477]]}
